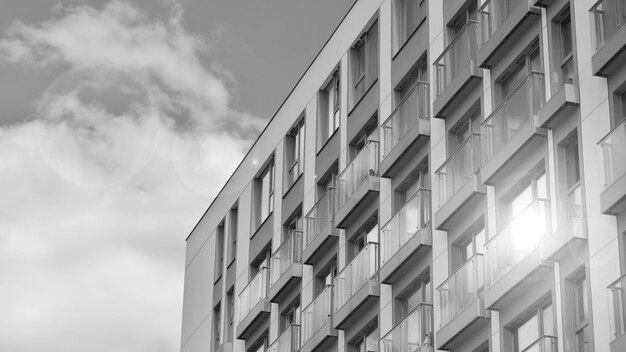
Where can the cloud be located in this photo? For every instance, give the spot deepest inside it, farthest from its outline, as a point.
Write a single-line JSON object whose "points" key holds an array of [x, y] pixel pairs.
{"points": [[102, 184]]}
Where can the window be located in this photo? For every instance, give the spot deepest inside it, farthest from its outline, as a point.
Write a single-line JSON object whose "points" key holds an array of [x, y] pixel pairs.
{"points": [[419, 178], [366, 342], [295, 223], [532, 188], [408, 14], [261, 344], [294, 154], [326, 277], [572, 175], [265, 193], [219, 251], [230, 301], [539, 323], [368, 233], [565, 46], [419, 291], [232, 235], [217, 325], [470, 243], [329, 109], [581, 309], [291, 316], [363, 64]]}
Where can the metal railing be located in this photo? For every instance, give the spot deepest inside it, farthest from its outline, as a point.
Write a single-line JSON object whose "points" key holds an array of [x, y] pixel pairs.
{"points": [[613, 147], [617, 308], [413, 333], [414, 106], [321, 219], [459, 168], [317, 313], [288, 253], [456, 56], [355, 274], [517, 240], [365, 164], [461, 289], [543, 344], [521, 105], [255, 291], [607, 18], [406, 223], [493, 14], [288, 341]]}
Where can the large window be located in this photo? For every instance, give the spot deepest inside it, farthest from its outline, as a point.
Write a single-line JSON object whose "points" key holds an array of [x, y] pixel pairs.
{"points": [[329, 109], [219, 251], [217, 325], [265, 193], [363, 64], [232, 235], [539, 323], [230, 315], [581, 309], [419, 291], [408, 14], [367, 341], [419, 178], [294, 154], [471, 242]]}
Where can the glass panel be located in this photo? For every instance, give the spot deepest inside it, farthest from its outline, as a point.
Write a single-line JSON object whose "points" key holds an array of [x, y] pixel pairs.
{"points": [[459, 168], [514, 111], [455, 57], [288, 341], [412, 217], [254, 292], [461, 289], [316, 314], [321, 219], [288, 253], [607, 18], [412, 333], [613, 148], [355, 274], [493, 14], [617, 314], [363, 165], [413, 107]]}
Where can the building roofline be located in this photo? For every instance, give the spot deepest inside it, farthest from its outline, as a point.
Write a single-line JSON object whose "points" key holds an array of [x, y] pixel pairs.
{"points": [[272, 118]]}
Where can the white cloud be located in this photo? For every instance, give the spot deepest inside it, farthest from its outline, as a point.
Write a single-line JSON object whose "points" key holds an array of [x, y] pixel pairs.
{"points": [[100, 189]]}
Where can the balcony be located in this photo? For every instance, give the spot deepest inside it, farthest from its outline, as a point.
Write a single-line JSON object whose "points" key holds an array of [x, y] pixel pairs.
{"points": [[563, 242], [317, 323], [357, 184], [461, 304], [617, 315], [459, 181], [413, 333], [356, 285], [253, 305], [513, 254], [613, 146], [286, 266], [288, 341], [406, 129], [512, 126], [320, 234], [608, 35], [500, 21], [456, 68], [543, 344], [405, 236]]}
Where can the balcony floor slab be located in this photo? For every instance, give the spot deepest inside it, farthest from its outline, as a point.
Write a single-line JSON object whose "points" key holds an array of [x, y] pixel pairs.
{"points": [[253, 319], [360, 300], [466, 323], [407, 257], [288, 280]]}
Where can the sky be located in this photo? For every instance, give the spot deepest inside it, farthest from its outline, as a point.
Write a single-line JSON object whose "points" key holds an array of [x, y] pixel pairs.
{"points": [[119, 122]]}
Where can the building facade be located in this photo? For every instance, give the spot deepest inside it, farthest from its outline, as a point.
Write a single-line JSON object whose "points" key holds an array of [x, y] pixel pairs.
{"points": [[446, 175]]}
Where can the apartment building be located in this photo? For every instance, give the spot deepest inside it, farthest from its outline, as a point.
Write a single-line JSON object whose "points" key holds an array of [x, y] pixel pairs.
{"points": [[446, 175]]}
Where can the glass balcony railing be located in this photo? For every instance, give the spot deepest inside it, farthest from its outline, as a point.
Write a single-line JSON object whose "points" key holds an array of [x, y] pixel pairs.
{"points": [[288, 341], [459, 168], [413, 107], [412, 217], [321, 219], [543, 344], [517, 240], [607, 17], [255, 291], [363, 165], [317, 313], [461, 289], [613, 148], [617, 308], [289, 252], [493, 14], [456, 56], [355, 275], [510, 116], [412, 334]]}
